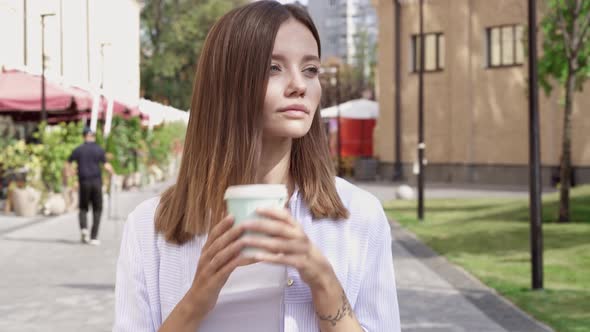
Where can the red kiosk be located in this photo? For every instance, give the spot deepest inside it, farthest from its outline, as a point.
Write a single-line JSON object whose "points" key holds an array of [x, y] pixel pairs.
{"points": [[357, 122]]}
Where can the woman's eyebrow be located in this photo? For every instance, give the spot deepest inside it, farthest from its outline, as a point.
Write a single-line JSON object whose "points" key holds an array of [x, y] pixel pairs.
{"points": [[306, 58]]}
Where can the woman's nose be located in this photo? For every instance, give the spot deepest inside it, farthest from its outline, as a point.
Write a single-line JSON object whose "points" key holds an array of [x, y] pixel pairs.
{"points": [[297, 86]]}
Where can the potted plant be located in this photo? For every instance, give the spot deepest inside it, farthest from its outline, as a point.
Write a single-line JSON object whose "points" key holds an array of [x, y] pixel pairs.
{"points": [[21, 163]]}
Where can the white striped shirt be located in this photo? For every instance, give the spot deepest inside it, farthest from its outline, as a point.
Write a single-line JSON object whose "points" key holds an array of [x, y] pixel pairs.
{"points": [[153, 275]]}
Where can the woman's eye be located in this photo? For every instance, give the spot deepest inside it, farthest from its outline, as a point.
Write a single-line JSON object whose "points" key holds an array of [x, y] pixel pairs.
{"points": [[275, 68], [312, 70]]}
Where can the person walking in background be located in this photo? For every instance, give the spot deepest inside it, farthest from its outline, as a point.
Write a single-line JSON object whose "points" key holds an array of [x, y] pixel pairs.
{"points": [[88, 156]]}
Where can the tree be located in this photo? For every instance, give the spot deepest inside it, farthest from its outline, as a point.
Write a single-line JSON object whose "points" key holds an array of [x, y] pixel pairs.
{"points": [[172, 35], [566, 59], [365, 60], [341, 87]]}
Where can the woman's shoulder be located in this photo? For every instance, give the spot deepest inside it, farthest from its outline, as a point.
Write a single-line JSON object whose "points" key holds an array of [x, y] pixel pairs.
{"points": [[361, 204], [355, 197], [141, 219]]}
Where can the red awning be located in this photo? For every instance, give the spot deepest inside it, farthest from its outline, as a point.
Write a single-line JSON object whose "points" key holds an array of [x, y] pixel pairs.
{"points": [[20, 91]]}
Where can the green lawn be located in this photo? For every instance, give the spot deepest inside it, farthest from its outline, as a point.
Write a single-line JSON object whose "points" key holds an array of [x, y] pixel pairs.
{"points": [[490, 239]]}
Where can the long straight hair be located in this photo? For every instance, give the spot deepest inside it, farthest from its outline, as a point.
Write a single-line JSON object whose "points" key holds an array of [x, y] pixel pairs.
{"points": [[224, 135]]}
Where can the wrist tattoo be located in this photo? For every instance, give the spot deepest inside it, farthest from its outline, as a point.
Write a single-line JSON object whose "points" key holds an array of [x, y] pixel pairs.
{"points": [[345, 310]]}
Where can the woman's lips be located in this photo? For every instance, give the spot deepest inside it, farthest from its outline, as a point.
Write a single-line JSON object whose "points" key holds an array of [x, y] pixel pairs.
{"points": [[294, 108], [295, 111]]}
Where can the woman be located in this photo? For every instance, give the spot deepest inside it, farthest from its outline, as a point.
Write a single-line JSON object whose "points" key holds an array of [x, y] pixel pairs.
{"points": [[255, 119]]}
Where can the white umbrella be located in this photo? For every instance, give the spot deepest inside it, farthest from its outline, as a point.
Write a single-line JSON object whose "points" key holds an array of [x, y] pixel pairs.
{"points": [[161, 113], [353, 109]]}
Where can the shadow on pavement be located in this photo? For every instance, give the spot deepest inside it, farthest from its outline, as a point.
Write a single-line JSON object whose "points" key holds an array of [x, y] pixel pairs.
{"points": [[33, 240], [99, 287]]}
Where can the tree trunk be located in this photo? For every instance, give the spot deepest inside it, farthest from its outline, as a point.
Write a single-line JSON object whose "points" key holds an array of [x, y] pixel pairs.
{"points": [[566, 162]]}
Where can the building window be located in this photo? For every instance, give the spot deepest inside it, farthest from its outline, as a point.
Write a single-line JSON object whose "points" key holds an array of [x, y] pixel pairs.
{"points": [[504, 46], [434, 52]]}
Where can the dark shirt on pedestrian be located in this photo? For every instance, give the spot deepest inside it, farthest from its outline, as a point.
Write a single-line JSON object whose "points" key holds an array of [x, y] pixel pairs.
{"points": [[88, 156]]}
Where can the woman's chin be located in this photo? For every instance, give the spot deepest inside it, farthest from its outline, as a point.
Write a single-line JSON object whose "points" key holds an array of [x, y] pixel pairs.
{"points": [[287, 132]]}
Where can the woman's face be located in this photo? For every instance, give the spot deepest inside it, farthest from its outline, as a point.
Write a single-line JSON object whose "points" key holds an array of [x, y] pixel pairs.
{"points": [[294, 91]]}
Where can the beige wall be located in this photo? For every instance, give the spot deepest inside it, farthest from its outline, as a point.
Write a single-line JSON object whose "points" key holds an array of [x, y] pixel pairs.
{"points": [[115, 22], [473, 115], [384, 87]]}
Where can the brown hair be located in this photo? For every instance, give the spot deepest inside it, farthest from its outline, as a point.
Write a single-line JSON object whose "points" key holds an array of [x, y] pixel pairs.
{"points": [[224, 135]]}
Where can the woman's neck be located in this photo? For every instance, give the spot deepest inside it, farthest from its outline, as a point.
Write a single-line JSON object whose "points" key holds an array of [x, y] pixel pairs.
{"points": [[275, 162]]}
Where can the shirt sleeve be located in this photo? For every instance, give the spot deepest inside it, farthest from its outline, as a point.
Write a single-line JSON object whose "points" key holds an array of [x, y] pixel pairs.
{"points": [[102, 156], [132, 309], [73, 156], [376, 306]]}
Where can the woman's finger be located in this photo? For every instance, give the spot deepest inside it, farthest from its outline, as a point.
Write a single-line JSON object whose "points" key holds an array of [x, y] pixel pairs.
{"points": [[276, 245], [225, 254], [221, 227], [279, 214], [223, 274], [230, 235], [273, 228], [295, 261]]}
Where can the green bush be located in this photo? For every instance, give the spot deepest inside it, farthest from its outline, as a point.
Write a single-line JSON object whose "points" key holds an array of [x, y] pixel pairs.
{"points": [[5, 142], [162, 140], [124, 144], [19, 155], [129, 147], [58, 142]]}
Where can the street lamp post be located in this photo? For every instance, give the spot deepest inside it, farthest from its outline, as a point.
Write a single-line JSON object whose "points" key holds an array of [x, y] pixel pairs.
{"points": [[43, 109], [421, 144], [534, 155], [25, 41], [398, 168]]}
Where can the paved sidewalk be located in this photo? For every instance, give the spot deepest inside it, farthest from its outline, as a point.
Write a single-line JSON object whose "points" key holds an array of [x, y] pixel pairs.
{"points": [[385, 190], [50, 282]]}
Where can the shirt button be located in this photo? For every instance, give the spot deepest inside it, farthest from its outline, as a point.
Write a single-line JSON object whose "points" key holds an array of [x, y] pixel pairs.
{"points": [[290, 282]]}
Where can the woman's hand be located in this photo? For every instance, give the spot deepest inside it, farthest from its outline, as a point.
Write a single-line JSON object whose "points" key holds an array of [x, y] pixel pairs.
{"points": [[219, 257], [288, 244]]}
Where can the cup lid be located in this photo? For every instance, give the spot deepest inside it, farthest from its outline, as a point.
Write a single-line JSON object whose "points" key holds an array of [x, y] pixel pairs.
{"points": [[256, 191]]}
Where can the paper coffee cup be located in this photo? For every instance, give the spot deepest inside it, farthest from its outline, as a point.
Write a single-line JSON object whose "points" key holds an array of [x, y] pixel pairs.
{"points": [[243, 200]]}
